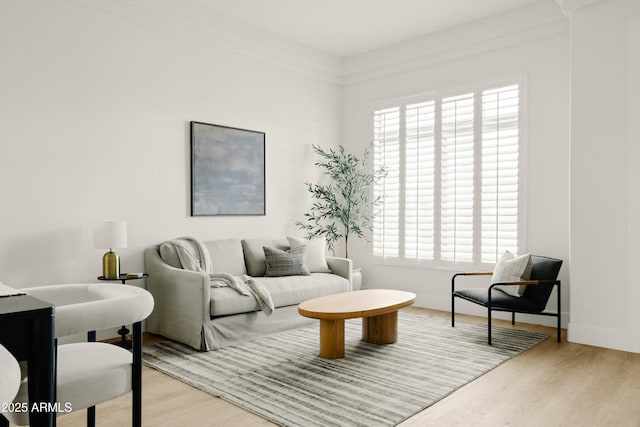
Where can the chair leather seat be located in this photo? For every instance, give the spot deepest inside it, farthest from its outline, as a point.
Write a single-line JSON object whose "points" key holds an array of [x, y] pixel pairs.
{"points": [[499, 300]]}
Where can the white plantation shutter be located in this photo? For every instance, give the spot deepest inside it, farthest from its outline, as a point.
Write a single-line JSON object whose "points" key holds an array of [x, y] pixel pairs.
{"points": [[456, 215], [386, 152], [419, 186], [500, 147], [452, 190]]}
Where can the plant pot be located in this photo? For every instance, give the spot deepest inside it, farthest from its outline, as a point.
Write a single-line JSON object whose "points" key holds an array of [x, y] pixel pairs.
{"points": [[356, 278]]}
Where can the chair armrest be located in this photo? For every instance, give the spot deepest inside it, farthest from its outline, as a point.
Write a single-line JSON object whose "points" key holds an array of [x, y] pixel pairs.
{"points": [[342, 267], [468, 273], [182, 300], [475, 273], [527, 283], [520, 283]]}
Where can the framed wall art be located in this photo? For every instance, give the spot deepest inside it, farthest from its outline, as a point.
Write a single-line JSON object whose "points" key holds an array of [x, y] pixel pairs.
{"points": [[227, 170]]}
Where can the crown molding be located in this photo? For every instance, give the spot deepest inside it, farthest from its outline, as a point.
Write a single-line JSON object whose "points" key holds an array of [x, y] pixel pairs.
{"points": [[536, 21], [570, 6], [189, 19], [475, 48]]}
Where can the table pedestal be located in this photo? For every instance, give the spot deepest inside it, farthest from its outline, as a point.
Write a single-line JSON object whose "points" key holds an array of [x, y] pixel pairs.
{"points": [[332, 338], [382, 329]]}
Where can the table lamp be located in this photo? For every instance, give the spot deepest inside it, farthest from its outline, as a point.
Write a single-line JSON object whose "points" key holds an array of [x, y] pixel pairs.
{"points": [[110, 235]]}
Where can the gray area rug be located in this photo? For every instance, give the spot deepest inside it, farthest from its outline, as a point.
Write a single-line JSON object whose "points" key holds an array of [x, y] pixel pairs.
{"points": [[283, 379]]}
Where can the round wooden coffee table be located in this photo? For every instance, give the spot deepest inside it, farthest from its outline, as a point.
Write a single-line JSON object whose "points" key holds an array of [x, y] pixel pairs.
{"points": [[377, 307]]}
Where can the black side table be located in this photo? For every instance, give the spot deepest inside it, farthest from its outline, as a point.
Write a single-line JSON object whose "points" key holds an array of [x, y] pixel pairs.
{"points": [[124, 331]]}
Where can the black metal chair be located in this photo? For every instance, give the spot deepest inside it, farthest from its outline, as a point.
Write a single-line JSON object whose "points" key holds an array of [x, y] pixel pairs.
{"points": [[544, 274]]}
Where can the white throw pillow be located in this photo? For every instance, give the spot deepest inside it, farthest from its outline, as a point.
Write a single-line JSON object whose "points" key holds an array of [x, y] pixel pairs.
{"points": [[512, 269], [314, 256]]}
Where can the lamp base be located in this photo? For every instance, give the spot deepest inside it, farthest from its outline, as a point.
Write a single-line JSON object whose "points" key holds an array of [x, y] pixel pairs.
{"points": [[111, 265]]}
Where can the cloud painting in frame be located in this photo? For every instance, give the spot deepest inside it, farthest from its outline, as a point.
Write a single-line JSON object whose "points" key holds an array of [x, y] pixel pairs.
{"points": [[227, 170]]}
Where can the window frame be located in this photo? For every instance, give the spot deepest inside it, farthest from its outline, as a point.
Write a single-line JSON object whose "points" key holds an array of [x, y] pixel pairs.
{"points": [[477, 89]]}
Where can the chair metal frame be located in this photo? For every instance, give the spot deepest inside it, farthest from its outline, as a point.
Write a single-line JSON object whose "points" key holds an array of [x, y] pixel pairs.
{"points": [[490, 307]]}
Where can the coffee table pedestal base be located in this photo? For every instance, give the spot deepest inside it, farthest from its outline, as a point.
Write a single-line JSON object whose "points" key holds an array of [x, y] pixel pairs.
{"points": [[332, 338], [382, 329]]}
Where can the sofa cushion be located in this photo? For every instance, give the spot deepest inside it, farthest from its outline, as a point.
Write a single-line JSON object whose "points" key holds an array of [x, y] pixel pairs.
{"points": [[254, 254], [314, 257], [286, 290], [227, 256], [285, 263]]}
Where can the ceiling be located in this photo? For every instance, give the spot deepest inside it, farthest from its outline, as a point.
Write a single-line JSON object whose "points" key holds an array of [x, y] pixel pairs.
{"points": [[346, 28]]}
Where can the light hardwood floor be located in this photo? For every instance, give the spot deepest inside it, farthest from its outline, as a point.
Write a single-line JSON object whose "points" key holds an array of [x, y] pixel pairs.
{"points": [[548, 385]]}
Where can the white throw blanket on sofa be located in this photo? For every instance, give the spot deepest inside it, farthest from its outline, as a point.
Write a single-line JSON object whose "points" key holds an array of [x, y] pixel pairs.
{"points": [[194, 256], [245, 285]]}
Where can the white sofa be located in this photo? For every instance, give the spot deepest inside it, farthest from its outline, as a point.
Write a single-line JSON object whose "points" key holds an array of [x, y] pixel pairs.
{"points": [[190, 310]]}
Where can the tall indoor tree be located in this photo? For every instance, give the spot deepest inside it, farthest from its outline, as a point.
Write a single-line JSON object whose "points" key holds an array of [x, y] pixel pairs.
{"points": [[343, 207]]}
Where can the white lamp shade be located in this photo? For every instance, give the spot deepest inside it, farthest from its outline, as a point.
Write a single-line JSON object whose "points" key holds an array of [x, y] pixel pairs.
{"points": [[109, 235]]}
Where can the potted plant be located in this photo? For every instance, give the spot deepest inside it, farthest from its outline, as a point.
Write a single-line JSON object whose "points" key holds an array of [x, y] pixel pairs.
{"points": [[342, 208]]}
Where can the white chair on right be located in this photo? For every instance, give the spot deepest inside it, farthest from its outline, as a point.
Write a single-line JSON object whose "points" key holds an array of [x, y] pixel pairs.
{"points": [[9, 377], [89, 373]]}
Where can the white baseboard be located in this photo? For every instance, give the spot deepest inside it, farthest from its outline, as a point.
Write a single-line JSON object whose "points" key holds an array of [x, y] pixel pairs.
{"points": [[617, 339]]}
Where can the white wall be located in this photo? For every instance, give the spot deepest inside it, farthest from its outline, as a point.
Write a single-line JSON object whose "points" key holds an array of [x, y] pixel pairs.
{"points": [[94, 125], [604, 174], [532, 41], [96, 97]]}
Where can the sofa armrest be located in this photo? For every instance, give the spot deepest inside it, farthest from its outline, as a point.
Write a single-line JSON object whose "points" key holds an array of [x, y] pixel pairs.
{"points": [[342, 267], [182, 299]]}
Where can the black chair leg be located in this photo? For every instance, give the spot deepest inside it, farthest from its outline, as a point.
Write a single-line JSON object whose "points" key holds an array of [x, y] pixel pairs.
{"points": [[559, 312], [91, 416], [453, 299], [136, 371], [489, 324], [453, 312], [91, 411], [513, 317]]}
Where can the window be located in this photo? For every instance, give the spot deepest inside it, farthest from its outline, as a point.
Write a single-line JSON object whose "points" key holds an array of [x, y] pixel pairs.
{"points": [[451, 194]]}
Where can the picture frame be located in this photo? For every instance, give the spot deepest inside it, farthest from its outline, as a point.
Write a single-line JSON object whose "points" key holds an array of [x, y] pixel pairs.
{"points": [[227, 170]]}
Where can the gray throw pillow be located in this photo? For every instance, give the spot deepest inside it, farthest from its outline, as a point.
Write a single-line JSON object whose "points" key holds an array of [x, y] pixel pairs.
{"points": [[285, 263]]}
